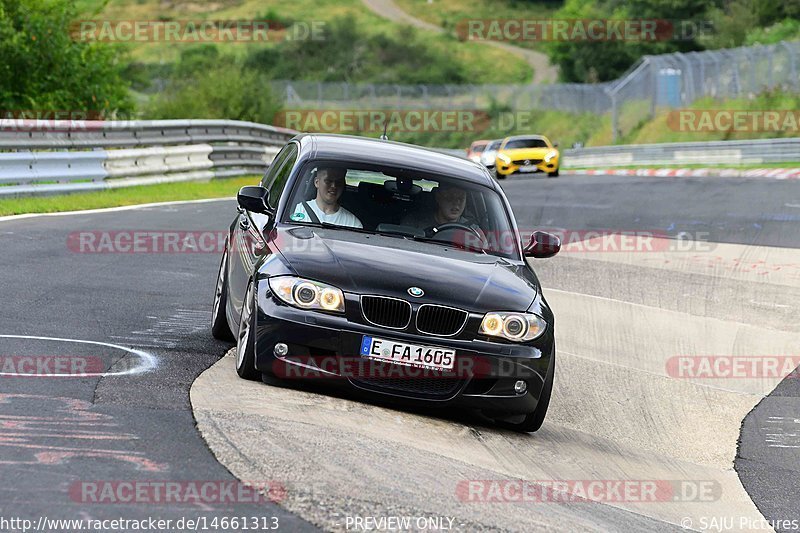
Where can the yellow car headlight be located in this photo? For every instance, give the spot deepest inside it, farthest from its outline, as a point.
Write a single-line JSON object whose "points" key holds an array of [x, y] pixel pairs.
{"points": [[550, 155], [504, 158]]}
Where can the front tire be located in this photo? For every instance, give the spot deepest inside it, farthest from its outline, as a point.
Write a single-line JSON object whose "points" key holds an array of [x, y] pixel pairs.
{"points": [[499, 176], [553, 174], [533, 421], [220, 328], [246, 339]]}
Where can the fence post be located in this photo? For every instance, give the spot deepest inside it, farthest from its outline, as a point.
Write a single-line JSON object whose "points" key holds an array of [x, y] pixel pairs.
{"points": [[614, 119], [792, 64], [770, 54]]}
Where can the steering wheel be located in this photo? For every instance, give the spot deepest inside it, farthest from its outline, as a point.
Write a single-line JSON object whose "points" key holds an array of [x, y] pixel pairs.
{"points": [[445, 232]]}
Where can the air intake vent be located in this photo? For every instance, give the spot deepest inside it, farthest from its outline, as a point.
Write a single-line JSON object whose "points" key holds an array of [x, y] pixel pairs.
{"points": [[440, 320], [387, 312], [432, 387]]}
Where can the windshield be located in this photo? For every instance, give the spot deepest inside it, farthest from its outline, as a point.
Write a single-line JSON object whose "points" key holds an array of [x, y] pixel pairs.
{"points": [[525, 143], [404, 204], [494, 145]]}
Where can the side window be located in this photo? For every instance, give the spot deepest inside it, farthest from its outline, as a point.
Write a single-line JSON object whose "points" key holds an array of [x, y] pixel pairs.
{"points": [[278, 173]]}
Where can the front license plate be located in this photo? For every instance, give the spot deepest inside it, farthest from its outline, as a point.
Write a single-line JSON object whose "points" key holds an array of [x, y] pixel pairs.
{"points": [[408, 354], [528, 168]]}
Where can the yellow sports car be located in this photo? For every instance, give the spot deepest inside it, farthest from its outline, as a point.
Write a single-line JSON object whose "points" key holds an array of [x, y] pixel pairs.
{"points": [[526, 154]]}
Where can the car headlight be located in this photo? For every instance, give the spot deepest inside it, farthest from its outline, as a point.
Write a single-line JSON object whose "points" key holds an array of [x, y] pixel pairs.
{"points": [[487, 158], [504, 158], [307, 294], [550, 155], [518, 327]]}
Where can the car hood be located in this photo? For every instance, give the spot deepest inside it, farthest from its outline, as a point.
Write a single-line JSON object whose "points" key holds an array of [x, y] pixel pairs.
{"points": [[373, 264], [527, 153]]}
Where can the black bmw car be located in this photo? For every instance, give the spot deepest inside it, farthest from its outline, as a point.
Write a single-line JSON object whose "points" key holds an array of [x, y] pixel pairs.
{"points": [[391, 270]]}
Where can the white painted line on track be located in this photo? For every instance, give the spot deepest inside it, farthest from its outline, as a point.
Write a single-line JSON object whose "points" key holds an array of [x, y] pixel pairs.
{"points": [[148, 361], [114, 209]]}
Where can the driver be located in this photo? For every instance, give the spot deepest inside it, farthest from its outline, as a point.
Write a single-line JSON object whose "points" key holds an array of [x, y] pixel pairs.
{"points": [[330, 184], [450, 204]]}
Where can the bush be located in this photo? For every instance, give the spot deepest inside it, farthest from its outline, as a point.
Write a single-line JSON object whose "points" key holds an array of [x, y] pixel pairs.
{"points": [[226, 92], [350, 54], [44, 69]]}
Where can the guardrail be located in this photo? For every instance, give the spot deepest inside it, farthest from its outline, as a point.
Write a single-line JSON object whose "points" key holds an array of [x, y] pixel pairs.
{"points": [[62, 156], [751, 151], [48, 157]]}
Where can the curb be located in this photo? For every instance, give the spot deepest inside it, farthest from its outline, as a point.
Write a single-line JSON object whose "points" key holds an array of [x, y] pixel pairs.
{"points": [[774, 173]]}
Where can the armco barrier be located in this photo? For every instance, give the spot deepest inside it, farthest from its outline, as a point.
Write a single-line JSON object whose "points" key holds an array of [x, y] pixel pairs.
{"points": [[753, 151], [29, 167], [68, 156], [91, 155]]}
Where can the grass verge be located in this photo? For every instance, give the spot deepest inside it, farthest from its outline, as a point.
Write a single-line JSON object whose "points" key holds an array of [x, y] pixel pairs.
{"points": [[164, 192]]}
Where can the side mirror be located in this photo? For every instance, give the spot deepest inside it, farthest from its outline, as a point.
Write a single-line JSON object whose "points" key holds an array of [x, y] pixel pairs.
{"points": [[542, 245], [555, 145], [254, 199]]}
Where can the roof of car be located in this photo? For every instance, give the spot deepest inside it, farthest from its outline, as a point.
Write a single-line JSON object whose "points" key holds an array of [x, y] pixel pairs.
{"points": [[526, 137], [390, 153]]}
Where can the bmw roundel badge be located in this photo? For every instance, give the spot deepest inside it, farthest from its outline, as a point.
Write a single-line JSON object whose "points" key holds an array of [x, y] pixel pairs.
{"points": [[416, 292]]}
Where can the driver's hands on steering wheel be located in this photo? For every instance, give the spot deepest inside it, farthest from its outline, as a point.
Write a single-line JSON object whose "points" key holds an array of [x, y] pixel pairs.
{"points": [[447, 233]]}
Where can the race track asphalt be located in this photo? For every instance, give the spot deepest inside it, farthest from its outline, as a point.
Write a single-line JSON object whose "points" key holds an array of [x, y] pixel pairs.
{"points": [[140, 426]]}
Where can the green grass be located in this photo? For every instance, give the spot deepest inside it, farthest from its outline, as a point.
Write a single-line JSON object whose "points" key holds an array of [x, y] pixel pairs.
{"points": [[450, 13], [634, 122], [165, 192], [480, 61]]}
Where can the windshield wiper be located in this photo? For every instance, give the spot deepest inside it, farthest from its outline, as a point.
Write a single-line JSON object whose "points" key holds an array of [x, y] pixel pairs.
{"points": [[458, 245], [359, 230], [332, 226], [405, 236]]}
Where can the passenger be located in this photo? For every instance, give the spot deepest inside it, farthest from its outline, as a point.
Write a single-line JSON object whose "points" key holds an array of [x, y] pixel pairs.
{"points": [[330, 185]]}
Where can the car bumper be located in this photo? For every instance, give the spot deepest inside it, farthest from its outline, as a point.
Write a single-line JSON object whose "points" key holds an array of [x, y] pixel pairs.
{"points": [[510, 168], [326, 348]]}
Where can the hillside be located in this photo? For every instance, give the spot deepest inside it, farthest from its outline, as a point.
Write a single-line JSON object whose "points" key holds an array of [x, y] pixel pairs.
{"points": [[447, 59]]}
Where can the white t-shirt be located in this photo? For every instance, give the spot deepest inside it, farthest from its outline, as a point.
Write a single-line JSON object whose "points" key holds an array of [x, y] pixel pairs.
{"points": [[342, 217]]}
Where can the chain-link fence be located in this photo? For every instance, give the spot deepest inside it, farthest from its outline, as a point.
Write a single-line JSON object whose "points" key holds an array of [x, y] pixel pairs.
{"points": [[670, 80]]}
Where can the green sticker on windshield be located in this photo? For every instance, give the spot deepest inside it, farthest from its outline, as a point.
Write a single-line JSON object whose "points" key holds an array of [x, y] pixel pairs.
{"points": [[298, 216]]}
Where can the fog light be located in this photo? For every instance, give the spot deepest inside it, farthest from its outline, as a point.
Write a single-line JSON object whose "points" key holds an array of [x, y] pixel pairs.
{"points": [[520, 387], [281, 350]]}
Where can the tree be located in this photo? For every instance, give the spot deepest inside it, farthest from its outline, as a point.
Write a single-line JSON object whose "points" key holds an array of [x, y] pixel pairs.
{"points": [[42, 68]]}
